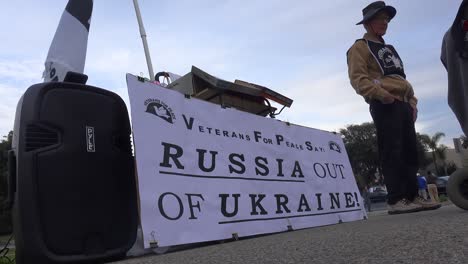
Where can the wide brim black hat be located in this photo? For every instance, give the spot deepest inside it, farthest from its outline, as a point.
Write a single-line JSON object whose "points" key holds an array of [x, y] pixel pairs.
{"points": [[372, 9]]}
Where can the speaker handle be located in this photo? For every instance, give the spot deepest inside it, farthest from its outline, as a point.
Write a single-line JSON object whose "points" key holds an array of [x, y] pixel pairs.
{"points": [[76, 77]]}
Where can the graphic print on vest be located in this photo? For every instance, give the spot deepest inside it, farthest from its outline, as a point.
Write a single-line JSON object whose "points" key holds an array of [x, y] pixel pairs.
{"points": [[387, 57]]}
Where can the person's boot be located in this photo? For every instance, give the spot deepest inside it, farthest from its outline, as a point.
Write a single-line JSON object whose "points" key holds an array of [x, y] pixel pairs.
{"points": [[404, 206]]}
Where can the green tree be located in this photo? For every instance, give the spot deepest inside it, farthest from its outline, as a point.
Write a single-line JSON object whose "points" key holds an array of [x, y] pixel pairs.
{"points": [[441, 154], [5, 145], [361, 144], [422, 148], [438, 150], [5, 216], [451, 168]]}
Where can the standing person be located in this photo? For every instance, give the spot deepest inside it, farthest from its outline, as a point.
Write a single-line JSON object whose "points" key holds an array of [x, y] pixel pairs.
{"points": [[366, 198], [376, 72], [432, 187], [422, 186]]}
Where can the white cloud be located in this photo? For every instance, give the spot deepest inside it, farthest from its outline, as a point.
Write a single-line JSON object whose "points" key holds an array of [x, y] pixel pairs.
{"points": [[429, 81], [15, 78], [441, 121], [21, 71], [328, 102], [7, 107]]}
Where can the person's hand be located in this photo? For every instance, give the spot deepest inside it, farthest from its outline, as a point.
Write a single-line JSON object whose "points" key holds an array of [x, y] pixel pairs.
{"points": [[388, 99]]}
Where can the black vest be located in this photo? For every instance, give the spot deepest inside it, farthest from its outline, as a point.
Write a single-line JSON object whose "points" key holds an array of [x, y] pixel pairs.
{"points": [[387, 57]]}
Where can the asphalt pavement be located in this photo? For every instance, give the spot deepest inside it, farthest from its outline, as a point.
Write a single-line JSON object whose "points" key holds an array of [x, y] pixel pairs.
{"points": [[439, 236]]}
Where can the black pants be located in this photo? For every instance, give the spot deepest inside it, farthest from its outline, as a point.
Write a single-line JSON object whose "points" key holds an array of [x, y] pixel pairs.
{"points": [[398, 156]]}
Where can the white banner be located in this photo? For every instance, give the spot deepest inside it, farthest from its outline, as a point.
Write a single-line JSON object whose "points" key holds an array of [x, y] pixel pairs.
{"points": [[208, 173]]}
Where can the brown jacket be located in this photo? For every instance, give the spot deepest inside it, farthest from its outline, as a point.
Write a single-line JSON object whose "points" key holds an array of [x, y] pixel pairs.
{"points": [[367, 78]]}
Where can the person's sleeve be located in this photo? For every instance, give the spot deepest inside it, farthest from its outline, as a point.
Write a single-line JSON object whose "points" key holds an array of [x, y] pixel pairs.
{"points": [[413, 101], [359, 74]]}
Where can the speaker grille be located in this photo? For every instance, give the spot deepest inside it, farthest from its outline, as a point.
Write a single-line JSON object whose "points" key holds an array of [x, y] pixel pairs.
{"points": [[39, 137]]}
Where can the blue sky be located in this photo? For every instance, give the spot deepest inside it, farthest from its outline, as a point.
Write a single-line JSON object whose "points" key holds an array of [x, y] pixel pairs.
{"points": [[297, 49]]}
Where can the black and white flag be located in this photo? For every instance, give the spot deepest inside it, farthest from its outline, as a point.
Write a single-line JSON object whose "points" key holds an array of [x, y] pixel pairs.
{"points": [[67, 51]]}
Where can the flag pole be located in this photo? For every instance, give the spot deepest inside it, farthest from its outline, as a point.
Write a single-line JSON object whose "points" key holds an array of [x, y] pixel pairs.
{"points": [[143, 38]]}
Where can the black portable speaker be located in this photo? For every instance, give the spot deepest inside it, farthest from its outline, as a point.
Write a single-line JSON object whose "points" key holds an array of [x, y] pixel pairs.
{"points": [[75, 191]]}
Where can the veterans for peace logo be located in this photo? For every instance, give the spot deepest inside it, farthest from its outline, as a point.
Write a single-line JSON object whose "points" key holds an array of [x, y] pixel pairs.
{"points": [[160, 109], [389, 59], [334, 146]]}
